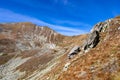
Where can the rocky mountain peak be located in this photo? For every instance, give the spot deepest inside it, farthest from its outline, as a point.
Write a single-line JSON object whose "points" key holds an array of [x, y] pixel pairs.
{"points": [[27, 35]]}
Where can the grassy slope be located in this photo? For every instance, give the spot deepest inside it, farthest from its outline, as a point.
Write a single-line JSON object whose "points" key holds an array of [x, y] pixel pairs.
{"points": [[101, 62]]}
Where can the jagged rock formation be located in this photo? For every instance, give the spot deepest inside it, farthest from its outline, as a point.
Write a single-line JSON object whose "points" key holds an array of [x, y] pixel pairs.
{"points": [[93, 38], [30, 52], [92, 41], [75, 50], [101, 26]]}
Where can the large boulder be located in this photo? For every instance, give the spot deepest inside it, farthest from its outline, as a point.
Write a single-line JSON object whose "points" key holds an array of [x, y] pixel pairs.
{"points": [[91, 41], [75, 50]]}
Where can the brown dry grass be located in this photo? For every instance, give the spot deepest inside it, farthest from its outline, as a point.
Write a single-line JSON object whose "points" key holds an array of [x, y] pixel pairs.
{"points": [[74, 40], [98, 57], [28, 53], [7, 45], [36, 62], [5, 58], [68, 41]]}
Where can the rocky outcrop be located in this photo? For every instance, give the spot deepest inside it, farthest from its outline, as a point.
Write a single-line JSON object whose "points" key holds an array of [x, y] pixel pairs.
{"points": [[75, 50], [91, 41], [98, 27], [66, 66], [101, 26]]}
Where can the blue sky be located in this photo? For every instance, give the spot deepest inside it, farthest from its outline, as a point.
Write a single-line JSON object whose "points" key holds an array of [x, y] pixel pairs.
{"points": [[68, 17]]}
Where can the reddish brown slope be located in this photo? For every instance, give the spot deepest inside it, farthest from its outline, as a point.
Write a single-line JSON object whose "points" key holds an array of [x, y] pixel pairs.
{"points": [[101, 62]]}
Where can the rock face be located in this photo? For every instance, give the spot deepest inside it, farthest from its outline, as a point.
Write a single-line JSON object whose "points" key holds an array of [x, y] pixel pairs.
{"points": [[92, 40], [28, 36], [75, 50], [101, 26], [98, 27]]}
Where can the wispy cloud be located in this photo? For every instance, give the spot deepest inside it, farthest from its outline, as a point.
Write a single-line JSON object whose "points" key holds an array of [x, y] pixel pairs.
{"points": [[67, 31], [10, 16], [74, 23]]}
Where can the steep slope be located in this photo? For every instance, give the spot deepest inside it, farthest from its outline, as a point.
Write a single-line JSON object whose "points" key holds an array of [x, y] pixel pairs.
{"points": [[98, 58], [26, 47], [101, 62], [30, 52]]}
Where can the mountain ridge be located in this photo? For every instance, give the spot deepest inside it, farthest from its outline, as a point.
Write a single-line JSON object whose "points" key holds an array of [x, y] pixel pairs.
{"points": [[31, 52]]}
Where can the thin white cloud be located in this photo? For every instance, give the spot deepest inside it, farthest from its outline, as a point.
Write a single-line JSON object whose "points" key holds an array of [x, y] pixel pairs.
{"points": [[72, 33], [74, 23], [10, 16]]}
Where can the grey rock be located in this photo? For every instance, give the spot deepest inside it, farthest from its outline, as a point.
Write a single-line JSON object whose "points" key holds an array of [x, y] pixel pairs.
{"points": [[119, 28], [82, 74], [75, 50], [97, 27], [91, 41], [21, 46], [66, 66], [100, 27]]}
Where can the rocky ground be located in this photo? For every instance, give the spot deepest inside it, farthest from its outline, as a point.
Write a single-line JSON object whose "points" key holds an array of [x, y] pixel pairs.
{"points": [[30, 52]]}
